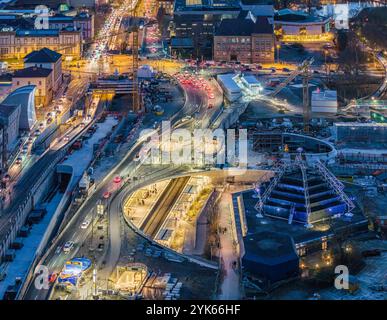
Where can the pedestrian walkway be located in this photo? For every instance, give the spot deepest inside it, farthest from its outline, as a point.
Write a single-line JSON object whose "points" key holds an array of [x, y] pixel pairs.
{"points": [[230, 288]]}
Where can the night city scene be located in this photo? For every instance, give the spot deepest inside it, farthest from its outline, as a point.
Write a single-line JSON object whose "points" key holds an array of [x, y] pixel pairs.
{"points": [[217, 151]]}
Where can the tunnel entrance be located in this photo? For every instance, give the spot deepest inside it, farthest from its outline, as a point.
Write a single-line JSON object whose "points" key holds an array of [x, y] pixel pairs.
{"points": [[63, 180]]}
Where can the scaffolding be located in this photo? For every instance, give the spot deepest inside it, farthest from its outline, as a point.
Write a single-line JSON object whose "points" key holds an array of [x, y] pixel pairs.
{"points": [[335, 184], [302, 166], [279, 170], [281, 167]]}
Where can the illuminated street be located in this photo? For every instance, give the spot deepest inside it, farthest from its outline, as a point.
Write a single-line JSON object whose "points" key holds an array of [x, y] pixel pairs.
{"points": [[179, 150]]}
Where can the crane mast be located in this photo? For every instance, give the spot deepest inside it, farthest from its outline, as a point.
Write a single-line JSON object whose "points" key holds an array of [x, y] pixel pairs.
{"points": [[134, 30], [302, 70]]}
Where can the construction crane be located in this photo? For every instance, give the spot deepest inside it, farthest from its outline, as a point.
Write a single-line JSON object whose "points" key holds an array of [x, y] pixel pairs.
{"points": [[303, 70], [134, 31]]}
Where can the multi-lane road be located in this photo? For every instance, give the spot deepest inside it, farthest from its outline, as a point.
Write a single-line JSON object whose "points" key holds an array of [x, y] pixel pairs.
{"points": [[196, 105], [195, 101]]}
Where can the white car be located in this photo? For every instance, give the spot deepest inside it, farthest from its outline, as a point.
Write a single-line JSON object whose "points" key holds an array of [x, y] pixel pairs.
{"points": [[68, 246], [85, 224]]}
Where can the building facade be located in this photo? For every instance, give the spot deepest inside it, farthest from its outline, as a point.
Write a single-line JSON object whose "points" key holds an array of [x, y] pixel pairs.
{"points": [[9, 118], [167, 5], [360, 132], [198, 20], [19, 43], [244, 40], [82, 21], [48, 59], [324, 101], [41, 78], [298, 26]]}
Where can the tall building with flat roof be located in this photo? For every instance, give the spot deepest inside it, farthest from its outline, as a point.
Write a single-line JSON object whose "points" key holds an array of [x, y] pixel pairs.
{"points": [[198, 20]]}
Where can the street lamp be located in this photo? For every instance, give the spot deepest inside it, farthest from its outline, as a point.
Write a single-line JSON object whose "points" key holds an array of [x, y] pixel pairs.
{"points": [[278, 48]]}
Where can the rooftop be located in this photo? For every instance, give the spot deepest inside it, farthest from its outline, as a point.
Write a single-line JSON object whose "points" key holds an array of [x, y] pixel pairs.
{"points": [[324, 95], [6, 110], [269, 247], [64, 18], [228, 81], [289, 15], [43, 55], [206, 5], [42, 32], [360, 124], [297, 231], [250, 79], [37, 33], [244, 27], [32, 72], [256, 2]]}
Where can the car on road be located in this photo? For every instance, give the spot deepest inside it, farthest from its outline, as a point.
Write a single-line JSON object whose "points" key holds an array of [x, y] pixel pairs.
{"points": [[69, 245], [52, 277], [58, 250], [106, 195], [85, 224]]}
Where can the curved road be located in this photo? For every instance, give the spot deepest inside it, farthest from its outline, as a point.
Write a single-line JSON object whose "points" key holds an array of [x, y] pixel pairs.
{"points": [[54, 261]]}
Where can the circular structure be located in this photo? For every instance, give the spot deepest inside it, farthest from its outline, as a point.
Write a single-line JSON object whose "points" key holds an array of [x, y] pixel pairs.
{"points": [[290, 143]]}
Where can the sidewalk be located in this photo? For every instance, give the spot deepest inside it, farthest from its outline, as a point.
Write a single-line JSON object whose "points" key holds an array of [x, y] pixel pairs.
{"points": [[230, 288]]}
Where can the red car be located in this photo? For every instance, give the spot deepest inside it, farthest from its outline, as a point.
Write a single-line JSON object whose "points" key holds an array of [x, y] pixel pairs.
{"points": [[52, 277]]}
